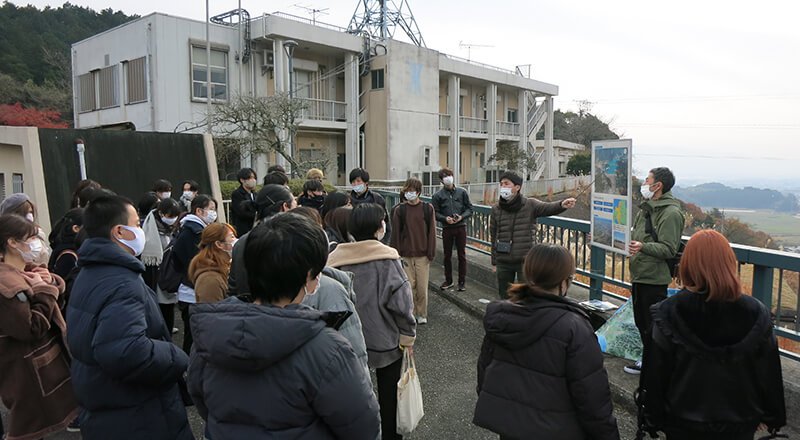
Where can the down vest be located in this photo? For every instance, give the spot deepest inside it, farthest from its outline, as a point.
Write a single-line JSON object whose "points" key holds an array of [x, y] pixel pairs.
{"points": [[515, 221], [125, 369], [260, 371], [540, 373]]}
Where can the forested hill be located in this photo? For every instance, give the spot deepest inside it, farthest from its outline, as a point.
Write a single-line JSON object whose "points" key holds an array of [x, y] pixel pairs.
{"points": [[717, 195], [35, 51]]}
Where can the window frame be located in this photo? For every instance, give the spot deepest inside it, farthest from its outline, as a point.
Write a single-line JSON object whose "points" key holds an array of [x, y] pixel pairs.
{"points": [[378, 76], [192, 81], [17, 179], [129, 67]]}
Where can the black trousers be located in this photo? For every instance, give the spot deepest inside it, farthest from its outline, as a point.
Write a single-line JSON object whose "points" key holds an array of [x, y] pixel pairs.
{"points": [[682, 434], [168, 312], [187, 329], [457, 236], [644, 296], [387, 398], [508, 274]]}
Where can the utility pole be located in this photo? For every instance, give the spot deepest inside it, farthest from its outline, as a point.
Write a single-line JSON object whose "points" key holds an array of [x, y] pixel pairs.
{"points": [[208, 69]]}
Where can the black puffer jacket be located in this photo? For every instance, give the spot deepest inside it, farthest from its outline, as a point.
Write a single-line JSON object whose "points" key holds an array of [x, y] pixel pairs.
{"points": [[519, 214], [540, 373], [712, 366]]}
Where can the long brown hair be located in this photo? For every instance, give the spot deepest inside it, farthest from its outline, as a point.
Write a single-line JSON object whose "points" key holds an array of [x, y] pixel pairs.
{"points": [[14, 227], [709, 265], [546, 267], [210, 256]]}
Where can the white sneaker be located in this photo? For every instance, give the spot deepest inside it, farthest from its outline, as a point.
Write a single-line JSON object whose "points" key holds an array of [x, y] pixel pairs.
{"points": [[635, 368], [422, 320], [174, 330]]}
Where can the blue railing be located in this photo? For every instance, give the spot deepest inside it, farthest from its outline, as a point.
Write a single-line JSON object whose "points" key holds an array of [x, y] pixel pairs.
{"points": [[773, 276]]}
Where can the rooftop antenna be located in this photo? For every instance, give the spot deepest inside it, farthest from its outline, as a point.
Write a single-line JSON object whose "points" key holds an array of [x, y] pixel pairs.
{"points": [[469, 47], [313, 11], [378, 19]]}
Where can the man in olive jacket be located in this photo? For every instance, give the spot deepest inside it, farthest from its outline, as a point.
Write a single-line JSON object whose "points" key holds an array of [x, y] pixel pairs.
{"points": [[512, 226], [653, 242]]}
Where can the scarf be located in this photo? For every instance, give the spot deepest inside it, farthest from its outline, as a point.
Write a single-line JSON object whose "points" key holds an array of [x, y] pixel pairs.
{"points": [[513, 205]]}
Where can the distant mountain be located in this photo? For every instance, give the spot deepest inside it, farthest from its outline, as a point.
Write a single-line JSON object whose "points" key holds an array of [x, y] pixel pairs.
{"points": [[717, 195]]}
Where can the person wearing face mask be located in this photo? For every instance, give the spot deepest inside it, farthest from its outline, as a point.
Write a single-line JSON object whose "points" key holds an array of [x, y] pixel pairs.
{"points": [[414, 237], [160, 228], [313, 195], [452, 207], [540, 371], [359, 181], [20, 204], [162, 188], [209, 269], [242, 214], [126, 371], [185, 247], [190, 190], [512, 228], [384, 302], [656, 238], [271, 200], [34, 362], [267, 344]]}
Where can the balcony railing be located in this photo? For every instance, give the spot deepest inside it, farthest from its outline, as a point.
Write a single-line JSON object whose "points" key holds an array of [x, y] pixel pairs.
{"points": [[323, 110], [473, 125], [444, 122], [508, 128]]}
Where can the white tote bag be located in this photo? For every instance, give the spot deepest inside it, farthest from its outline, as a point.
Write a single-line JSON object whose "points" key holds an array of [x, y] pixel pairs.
{"points": [[409, 397]]}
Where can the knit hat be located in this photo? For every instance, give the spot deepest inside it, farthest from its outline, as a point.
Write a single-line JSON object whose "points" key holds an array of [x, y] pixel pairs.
{"points": [[12, 202], [515, 178], [315, 173]]}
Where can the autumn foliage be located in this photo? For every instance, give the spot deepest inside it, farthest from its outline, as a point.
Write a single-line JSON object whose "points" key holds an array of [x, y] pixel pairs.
{"points": [[18, 116]]}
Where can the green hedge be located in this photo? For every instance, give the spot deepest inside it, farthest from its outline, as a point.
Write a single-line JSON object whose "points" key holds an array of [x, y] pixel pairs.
{"points": [[227, 187]]}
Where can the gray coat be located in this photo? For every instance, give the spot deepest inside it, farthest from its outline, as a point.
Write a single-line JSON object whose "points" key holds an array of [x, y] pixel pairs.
{"points": [[260, 371]]}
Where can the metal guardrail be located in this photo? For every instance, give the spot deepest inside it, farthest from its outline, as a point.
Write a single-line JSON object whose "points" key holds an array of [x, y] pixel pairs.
{"points": [[473, 125], [444, 122], [507, 128], [323, 110], [773, 277]]}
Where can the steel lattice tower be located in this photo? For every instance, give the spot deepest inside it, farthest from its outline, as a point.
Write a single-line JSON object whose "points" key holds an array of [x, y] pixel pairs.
{"points": [[379, 18]]}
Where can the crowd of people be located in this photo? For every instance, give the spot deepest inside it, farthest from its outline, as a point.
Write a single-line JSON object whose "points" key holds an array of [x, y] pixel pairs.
{"points": [[287, 309]]}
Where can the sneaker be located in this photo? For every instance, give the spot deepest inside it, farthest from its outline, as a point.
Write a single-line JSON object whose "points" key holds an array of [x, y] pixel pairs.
{"points": [[174, 330], [461, 287], [635, 368], [446, 285], [74, 426], [422, 320]]}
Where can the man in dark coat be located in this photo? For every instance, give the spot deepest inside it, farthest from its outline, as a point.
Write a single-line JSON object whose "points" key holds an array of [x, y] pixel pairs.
{"points": [[453, 207], [359, 181], [125, 369], [243, 212]]}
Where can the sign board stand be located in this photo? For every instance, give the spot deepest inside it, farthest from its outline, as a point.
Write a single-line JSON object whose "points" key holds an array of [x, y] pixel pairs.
{"points": [[611, 195]]}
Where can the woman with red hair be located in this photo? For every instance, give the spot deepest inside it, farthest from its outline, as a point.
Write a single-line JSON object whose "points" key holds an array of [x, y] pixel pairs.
{"points": [[712, 370]]}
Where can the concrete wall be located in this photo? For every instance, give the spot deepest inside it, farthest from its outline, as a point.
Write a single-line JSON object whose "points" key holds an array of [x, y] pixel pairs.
{"points": [[332, 143], [20, 153], [376, 136], [413, 112]]}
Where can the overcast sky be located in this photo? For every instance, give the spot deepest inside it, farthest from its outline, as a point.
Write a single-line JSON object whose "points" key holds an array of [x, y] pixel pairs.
{"points": [[709, 88]]}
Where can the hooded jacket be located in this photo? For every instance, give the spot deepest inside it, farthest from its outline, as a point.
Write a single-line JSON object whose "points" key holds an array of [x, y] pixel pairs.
{"points": [[540, 373], [383, 298], [712, 366], [34, 361], [210, 285], [370, 196], [515, 221], [260, 371], [125, 369], [649, 266]]}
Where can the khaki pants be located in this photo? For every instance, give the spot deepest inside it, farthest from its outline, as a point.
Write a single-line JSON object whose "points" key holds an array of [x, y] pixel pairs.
{"points": [[418, 270]]}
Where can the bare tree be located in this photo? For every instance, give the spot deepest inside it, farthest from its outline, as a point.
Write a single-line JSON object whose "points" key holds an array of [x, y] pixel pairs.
{"points": [[514, 158], [249, 125]]}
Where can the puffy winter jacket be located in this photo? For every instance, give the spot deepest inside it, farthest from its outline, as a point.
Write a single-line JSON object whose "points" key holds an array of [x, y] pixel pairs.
{"points": [[125, 369], [260, 371], [540, 373], [519, 214], [712, 366]]}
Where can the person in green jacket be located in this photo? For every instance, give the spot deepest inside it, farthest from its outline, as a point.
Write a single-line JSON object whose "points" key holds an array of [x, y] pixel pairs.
{"points": [[656, 238]]}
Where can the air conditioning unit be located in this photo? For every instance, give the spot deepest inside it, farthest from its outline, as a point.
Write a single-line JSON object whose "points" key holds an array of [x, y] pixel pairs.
{"points": [[269, 59]]}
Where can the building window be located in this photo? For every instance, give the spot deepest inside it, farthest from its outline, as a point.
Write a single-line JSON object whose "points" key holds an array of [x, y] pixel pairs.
{"points": [[136, 77], [302, 83], [512, 115], [2, 186], [377, 79], [461, 105], [109, 86], [86, 88], [16, 183], [219, 74], [427, 157]]}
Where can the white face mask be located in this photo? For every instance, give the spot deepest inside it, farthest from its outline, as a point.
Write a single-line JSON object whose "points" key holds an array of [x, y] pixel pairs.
{"points": [[505, 192], [646, 193], [411, 196], [250, 183], [188, 195], [169, 221], [137, 244], [164, 195], [447, 180], [35, 251], [313, 292], [29, 217], [360, 188], [211, 217], [382, 232]]}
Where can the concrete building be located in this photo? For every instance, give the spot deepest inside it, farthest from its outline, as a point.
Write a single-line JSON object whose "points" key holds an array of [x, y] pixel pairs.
{"points": [[562, 153], [394, 108]]}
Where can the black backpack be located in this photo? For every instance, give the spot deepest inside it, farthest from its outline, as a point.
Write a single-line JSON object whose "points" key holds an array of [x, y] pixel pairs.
{"points": [[674, 262], [427, 208], [169, 277]]}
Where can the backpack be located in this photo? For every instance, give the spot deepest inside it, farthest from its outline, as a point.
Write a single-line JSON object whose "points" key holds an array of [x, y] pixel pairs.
{"points": [[674, 262], [426, 212], [169, 277]]}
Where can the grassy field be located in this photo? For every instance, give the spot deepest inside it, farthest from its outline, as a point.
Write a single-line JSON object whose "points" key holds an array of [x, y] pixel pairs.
{"points": [[781, 226]]}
